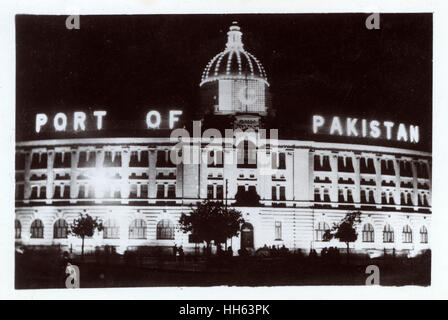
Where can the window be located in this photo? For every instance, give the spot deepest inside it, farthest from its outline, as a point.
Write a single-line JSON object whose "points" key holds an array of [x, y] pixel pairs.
{"points": [[160, 191], [37, 229], [247, 155], [111, 230], [215, 159], [388, 234], [407, 234], [405, 169], [322, 163], [39, 161], [274, 193], [165, 230], [278, 160], [219, 192], [367, 233], [367, 166], [112, 159], [282, 193], [60, 228], [210, 191], [161, 158], [423, 235], [278, 230], [137, 229], [62, 160], [171, 191], [321, 228], [281, 160], [86, 159], [18, 229], [317, 195], [345, 164]]}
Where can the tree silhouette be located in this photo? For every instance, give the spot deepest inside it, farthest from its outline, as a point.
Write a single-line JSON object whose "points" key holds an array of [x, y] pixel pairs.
{"points": [[211, 221], [85, 226], [345, 230], [247, 198]]}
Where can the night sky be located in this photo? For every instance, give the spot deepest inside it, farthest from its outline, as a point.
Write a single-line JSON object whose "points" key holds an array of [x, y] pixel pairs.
{"points": [[328, 64]]}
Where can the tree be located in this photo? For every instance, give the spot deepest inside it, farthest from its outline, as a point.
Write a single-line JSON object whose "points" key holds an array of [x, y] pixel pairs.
{"points": [[211, 221], [85, 226], [247, 198], [345, 230]]}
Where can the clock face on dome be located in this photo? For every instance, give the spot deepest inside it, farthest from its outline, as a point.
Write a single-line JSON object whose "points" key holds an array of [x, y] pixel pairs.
{"points": [[247, 96]]}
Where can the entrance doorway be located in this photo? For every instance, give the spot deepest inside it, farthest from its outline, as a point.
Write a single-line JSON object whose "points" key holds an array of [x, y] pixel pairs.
{"points": [[247, 236]]}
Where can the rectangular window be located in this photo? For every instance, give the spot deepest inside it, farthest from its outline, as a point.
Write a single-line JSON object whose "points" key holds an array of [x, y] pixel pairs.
{"points": [[274, 193], [282, 193], [210, 191], [278, 230], [282, 161], [160, 191], [171, 191], [219, 192]]}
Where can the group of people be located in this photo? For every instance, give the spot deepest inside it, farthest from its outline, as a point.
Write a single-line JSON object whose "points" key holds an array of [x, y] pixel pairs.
{"points": [[178, 253], [273, 250]]}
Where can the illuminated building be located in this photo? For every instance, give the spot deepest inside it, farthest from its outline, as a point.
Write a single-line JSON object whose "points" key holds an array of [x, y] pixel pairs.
{"points": [[131, 184]]}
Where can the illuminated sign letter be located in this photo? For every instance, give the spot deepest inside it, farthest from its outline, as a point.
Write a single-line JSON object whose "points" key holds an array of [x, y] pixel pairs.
{"points": [[318, 121], [336, 126], [364, 127], [79, 121], [388, 126], [414, 135], [151, 124], [173, 117], [402, 134], [60, 121], [99, 120], [41, 119], [374, 130], [351, 129]]}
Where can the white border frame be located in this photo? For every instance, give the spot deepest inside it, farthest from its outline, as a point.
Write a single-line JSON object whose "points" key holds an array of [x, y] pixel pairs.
{"points": [[439, 287]]}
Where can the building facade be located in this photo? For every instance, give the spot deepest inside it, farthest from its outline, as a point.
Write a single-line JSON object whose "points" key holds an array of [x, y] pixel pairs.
{"points": [[139, 193]]}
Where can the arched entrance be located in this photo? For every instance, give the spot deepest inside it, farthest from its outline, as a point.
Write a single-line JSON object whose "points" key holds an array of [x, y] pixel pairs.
{"points": [[247, 236]]}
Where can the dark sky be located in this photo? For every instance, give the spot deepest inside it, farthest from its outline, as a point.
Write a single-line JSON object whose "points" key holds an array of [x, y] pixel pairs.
{"points": [[327, 64]]}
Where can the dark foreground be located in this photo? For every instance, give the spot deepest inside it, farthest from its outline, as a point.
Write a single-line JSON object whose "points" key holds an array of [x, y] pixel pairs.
{"points": [[47, 270]]}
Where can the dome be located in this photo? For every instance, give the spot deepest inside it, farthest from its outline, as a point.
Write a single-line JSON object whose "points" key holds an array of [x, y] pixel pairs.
{"points": [[234, 62]]}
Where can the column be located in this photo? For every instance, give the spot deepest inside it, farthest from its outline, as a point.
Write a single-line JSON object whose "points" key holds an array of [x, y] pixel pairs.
{"points": [[125, 159], [357, 177], [397, 195], [152, 187], [377, 165], [27, 185], [414, 184], [334, 177], [74, 174], [50, 176]]}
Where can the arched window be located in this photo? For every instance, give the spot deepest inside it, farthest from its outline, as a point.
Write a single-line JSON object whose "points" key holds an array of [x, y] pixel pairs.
{"points": [[321, 227], [165, 230], [137, 229], [111, 229], [37, 229], [368, 234], [60, 229], [423, 235], [18, 228], [407, 234], [388, 234]]}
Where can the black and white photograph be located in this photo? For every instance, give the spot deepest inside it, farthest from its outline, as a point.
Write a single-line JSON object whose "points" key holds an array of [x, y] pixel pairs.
{"points": [[223, 150]]}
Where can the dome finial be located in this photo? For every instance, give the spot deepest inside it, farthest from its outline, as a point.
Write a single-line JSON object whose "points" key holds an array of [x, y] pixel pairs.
{"points": [[234, 35]]}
